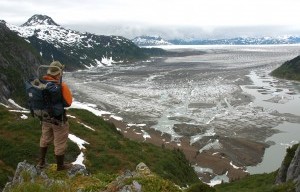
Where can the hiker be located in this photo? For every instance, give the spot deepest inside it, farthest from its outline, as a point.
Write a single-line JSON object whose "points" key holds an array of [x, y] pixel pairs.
{"points": [[56, 128]]}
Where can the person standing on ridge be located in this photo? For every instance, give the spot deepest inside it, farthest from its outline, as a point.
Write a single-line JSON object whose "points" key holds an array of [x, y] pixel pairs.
{"points": [[56, 128]]}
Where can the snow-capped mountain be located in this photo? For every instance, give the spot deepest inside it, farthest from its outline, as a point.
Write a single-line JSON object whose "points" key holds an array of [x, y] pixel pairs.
{"points": [[239, 41], [39, 20], [75, 49], [150, 41]]}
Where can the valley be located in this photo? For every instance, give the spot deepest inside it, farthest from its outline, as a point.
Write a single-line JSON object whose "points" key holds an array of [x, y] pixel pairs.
{"points": [[220, 106]]}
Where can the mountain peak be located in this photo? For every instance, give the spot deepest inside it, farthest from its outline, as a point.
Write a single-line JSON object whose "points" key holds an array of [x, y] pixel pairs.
{"points": [[150, 41], [39, 20]]}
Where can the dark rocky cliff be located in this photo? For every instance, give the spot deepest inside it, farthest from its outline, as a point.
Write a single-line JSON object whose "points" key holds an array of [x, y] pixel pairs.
{"points": [[18, 61], [290, 168]]}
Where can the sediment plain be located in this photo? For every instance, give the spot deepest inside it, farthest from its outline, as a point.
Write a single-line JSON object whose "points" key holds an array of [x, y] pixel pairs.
{"points": [[199, 103]]}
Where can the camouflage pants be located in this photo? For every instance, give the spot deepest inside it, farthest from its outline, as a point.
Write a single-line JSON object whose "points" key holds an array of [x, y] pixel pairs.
{"points": [[56, 133]]}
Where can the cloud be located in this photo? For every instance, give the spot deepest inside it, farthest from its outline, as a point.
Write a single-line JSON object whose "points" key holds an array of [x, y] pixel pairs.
{"points": [[167, 18], [131, 30]]}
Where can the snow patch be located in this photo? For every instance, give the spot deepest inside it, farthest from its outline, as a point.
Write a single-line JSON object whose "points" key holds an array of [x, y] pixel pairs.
{"points": [[15, 104], [71, 116], [136, 125], [89, 107], [79, 160], [6, 106], [215, 145], [219, 179], [195, 138], [107, 61], [78, 141], [116, 118], [20, 111], [145, 135], [234, 166], [86, 126], [23, 116]]}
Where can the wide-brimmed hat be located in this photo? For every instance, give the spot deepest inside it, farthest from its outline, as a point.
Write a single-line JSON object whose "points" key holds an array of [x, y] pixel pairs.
{"points": [[55, 68]]}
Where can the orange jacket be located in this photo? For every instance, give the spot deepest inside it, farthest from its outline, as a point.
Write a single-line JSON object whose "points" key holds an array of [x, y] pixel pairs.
{"points": [[67, 95]]}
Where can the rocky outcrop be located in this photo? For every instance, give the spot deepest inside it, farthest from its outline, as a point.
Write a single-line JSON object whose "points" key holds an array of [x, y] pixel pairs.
{"points": [[290, 169], [77, 179], [27, 172]]}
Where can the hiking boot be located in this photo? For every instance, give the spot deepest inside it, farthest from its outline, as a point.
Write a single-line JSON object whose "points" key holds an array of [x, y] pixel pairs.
{"points": [[42, 159], [60, 163]]}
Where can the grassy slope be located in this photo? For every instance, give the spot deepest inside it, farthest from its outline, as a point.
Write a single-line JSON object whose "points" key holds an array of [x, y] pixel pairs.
{"points": [[19, 140], [256, 183], [108, 152]]}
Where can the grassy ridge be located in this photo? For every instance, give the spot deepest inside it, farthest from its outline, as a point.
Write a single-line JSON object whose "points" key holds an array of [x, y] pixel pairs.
{"points": [[108, 152]]}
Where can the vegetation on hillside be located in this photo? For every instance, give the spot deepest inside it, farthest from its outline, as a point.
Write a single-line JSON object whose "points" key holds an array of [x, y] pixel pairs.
{"points": [[262, 182], [108, 152], [289, 70], [258, 183], [18, 61]]}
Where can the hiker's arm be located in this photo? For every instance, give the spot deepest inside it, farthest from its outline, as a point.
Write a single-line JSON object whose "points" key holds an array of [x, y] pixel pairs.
{"points": [[67, 95]]}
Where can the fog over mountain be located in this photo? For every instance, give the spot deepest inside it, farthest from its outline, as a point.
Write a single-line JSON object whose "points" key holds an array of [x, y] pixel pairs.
{"points": [[132, 30]]}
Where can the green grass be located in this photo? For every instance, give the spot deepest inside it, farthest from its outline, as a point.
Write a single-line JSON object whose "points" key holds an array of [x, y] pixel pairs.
{"points": [[108, 152], [256, 183], [154, 184], [19, 140]]}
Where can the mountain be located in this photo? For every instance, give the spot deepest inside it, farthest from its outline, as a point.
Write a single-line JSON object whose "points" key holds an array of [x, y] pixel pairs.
{"points": [[39, 20], [239, 41], [73, 48], [154, 41], [149, 41], [289, 70], [18, 61]]}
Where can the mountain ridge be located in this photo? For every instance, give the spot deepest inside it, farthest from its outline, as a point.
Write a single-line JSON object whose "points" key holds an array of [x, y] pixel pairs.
{"points": [[239, 41], [75, 49], [38, 19], [156, 41], [150, 41]]}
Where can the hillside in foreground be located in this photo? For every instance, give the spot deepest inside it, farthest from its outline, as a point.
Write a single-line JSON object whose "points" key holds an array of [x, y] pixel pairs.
{"points": [[107, 151], [109, 158]]}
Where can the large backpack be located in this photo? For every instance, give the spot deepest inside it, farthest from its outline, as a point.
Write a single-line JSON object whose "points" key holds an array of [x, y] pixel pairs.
{"points": [[45, 99]]}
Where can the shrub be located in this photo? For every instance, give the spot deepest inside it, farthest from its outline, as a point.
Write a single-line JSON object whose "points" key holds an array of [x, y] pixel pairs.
{"points": [[200, 187]]}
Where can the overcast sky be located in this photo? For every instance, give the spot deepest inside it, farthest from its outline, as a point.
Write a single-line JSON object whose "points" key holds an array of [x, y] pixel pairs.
{"points": [[167, 18]]}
